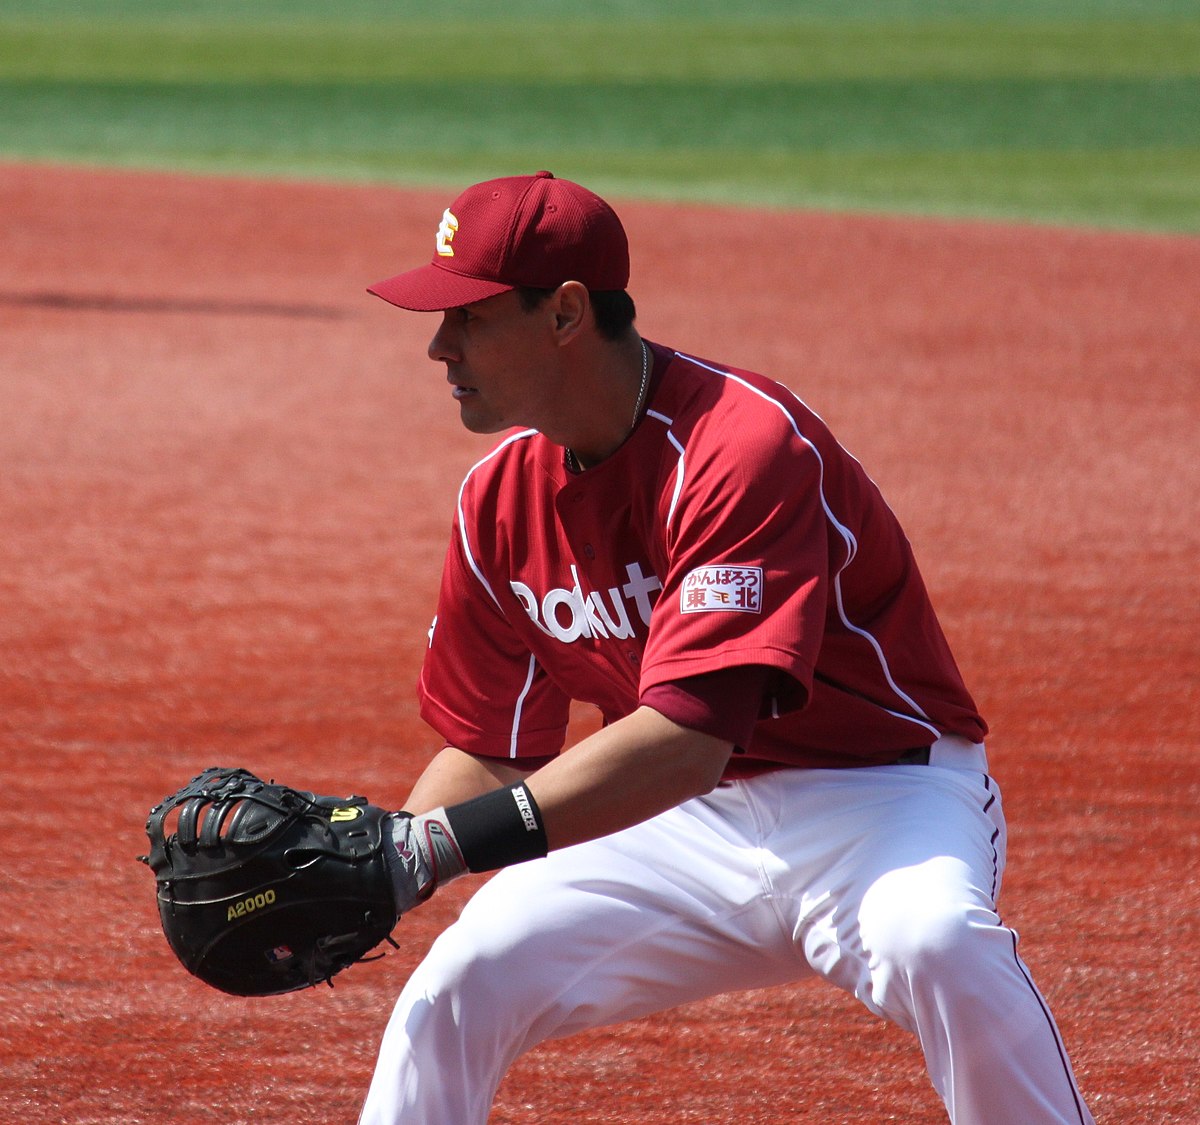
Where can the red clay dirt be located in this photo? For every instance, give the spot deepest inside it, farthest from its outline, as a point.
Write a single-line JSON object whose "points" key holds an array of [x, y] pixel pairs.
{"points": [[226, 478]]}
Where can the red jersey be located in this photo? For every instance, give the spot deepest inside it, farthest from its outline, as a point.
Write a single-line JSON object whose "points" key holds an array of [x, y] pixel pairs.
{"points": [[729, 529]]}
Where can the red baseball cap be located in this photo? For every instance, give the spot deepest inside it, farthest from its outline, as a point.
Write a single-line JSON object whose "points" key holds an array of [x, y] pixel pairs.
{"points": [[534, 231]]}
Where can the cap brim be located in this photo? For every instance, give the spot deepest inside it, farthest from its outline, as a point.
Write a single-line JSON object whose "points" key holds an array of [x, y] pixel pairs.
{"points": [[431, 288]]}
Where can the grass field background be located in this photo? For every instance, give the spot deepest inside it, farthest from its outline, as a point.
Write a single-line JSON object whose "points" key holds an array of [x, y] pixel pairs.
{"points": [[1052, 110]]}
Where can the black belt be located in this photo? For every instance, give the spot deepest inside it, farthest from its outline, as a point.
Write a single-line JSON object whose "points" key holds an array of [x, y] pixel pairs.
{"points": [[917, 757]]}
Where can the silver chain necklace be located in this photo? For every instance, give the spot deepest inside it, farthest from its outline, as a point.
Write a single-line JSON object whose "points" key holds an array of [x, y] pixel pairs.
{"points": [[573, 461]]}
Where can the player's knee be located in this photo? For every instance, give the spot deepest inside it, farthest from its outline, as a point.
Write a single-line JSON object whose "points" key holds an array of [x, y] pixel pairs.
{"points": [[474, 989], [917, 932], [460, 964], [924, 940]]}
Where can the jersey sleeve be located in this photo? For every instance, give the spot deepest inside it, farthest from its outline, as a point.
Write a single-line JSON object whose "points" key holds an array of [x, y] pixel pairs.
{"points": [[480, 687], [725, 704], [747, 580]]}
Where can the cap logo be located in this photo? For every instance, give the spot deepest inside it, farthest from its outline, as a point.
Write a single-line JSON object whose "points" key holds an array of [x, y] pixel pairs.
{"points": [[447, 229]]}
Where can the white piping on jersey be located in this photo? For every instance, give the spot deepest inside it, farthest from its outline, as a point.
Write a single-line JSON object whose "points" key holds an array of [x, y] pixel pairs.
{"points": [[847, 537], [519, 707], [516, 727], [679, 472], [462, 523]]}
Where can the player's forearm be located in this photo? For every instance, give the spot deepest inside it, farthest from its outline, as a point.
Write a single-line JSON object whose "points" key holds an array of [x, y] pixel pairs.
{"points": [[476, 814], [623, 774], [454, 776]]}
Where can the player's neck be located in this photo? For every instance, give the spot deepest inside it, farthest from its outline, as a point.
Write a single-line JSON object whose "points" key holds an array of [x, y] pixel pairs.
{"points": [[609, 416]]}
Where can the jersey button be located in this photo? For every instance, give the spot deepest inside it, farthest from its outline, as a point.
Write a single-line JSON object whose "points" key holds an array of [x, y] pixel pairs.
{"points": [[589, 550]]}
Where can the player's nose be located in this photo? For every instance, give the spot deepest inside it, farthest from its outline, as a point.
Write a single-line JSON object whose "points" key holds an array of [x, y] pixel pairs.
{"points": [[443, 348]]}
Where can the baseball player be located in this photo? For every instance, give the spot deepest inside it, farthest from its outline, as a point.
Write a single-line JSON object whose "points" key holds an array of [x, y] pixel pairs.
{"points": [[791, 776]]}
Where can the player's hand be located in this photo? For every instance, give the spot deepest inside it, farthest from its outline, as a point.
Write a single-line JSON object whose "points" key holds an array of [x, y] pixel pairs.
{"points": [[425, 855]]}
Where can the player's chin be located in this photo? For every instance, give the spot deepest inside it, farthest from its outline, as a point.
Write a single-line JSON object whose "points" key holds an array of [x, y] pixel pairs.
{"points": [[476, 417]]}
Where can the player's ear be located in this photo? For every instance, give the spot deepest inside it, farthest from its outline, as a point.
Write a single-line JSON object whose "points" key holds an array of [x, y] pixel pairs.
{"points": [[571, 303]]}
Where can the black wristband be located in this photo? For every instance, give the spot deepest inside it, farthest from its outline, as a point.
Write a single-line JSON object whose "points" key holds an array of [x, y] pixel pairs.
{"points": [[498, 829]]}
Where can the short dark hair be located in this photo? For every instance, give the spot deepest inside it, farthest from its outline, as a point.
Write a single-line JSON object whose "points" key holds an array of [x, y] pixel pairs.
{"points": [[613, 308]]}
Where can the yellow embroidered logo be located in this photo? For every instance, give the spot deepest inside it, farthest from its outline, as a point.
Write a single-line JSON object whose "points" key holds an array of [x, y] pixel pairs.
{"points": [[342, 815], [447, 229], [249, 905]]}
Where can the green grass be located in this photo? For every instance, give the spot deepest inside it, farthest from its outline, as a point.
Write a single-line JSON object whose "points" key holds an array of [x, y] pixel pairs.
{"points": [[558, 11], [581, 52], [1061, 110]]}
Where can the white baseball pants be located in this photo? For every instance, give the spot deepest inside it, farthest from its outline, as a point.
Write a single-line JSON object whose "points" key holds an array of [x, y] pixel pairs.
{"points": [[883, 880]]}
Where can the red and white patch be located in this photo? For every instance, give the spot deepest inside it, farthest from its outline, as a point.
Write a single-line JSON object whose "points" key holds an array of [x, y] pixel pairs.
{"points": [[717, 589]]}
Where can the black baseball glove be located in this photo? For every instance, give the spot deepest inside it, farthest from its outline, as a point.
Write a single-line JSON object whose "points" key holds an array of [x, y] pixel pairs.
{"points": [[264, 889]]}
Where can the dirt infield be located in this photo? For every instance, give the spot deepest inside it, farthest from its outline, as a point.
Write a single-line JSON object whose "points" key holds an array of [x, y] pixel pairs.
{"points": [[226, 477]]}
